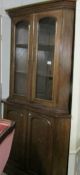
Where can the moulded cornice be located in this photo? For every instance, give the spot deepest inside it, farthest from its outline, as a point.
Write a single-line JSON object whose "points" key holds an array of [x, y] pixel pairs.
{"points": [[41, 6]]}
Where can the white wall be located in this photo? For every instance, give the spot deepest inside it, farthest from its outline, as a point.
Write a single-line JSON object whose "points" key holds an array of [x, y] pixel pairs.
{"points": [[6, 24]]}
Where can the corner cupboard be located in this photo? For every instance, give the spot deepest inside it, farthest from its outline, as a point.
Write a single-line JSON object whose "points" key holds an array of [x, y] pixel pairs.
{"points": [[40, 87]]}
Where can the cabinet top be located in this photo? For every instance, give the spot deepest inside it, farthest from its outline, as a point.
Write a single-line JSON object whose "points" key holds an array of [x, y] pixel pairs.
{"points": [[41, 6]]}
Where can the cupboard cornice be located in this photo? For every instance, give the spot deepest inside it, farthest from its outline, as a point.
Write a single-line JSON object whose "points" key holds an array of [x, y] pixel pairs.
{"points": [[42, 6]]}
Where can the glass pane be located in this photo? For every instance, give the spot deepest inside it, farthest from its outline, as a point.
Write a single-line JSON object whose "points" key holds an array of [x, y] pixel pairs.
{"points": [[45, 56], [21, 33], [20, 87], [21, 61], [21, 56]]}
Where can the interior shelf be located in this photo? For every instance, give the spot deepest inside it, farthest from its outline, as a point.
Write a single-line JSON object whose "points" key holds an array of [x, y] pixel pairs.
{"points": [[22, 45], [47, 76], [45, 47], [40, 47], [19, 72]]}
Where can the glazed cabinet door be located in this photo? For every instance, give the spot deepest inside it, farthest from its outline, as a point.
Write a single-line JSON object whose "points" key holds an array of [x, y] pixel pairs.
{"points": [[52, 57], [18, 147], [46, 57], [20, 55]]}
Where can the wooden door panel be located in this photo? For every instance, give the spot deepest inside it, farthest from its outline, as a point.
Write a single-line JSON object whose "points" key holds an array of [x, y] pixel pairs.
{"points": [[40, 143], [48, 145], [18, 151]]}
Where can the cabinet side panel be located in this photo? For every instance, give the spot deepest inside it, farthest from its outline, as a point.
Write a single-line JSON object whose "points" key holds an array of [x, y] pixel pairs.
{"points": [[61, 146], [40, 145], [66, 59]]}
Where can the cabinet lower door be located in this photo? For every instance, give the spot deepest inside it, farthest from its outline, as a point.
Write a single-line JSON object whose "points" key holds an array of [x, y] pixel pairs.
{"points": [[47, 145], [17, 155], [41, 143]]}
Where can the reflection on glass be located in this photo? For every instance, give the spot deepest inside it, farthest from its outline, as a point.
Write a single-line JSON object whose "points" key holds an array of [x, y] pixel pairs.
{"points": [[21, 55], [45, 56]]}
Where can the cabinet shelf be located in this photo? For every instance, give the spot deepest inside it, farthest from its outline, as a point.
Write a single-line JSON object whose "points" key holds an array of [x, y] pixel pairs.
{"points": [[47, 76], [22, 45], [22, 73], [45, 47], [40, 47]]}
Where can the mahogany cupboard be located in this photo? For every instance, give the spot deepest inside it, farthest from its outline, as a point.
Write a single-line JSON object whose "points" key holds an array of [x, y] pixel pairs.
{"points": [[40, 87]]}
